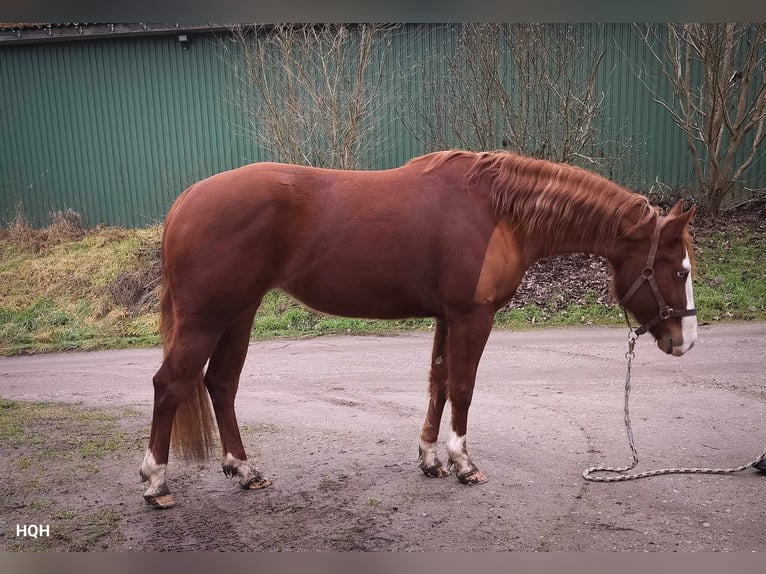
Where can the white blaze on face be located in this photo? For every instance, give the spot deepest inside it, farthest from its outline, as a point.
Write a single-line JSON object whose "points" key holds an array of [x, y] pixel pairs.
{"points": [[688, 324]]}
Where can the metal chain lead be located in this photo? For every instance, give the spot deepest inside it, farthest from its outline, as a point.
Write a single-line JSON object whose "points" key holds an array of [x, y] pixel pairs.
{"points": [[588, 472]]}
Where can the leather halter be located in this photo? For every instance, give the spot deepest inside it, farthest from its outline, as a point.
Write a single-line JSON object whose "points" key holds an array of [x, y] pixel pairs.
{"points": [[647, 275]]}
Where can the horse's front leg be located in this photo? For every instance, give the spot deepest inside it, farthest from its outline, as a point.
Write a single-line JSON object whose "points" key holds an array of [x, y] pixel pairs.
{"points": [[466, 337], [437, 397]]}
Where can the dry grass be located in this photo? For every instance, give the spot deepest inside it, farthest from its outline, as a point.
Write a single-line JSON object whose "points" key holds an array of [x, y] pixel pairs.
{"points": [[65, 287], [65, 226], [19, 230], [138, 291]]}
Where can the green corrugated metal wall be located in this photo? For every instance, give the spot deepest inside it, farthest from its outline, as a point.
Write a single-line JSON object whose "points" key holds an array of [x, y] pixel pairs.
{"points": [[117, 128], [113, 128]]}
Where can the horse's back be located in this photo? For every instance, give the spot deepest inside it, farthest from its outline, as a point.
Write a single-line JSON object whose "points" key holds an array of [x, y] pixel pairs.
{"points": [[300, 204], [355, 243]]}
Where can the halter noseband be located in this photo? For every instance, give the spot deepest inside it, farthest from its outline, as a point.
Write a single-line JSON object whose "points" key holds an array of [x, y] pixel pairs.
{"points": [[647, 275]]}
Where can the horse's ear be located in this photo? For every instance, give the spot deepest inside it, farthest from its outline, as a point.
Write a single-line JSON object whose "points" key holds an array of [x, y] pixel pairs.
{"points": [[677, 209], [692, 210], [678, 219]]}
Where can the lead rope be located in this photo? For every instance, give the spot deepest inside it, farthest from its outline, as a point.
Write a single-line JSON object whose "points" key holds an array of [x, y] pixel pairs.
{"points": [[588, 472]]}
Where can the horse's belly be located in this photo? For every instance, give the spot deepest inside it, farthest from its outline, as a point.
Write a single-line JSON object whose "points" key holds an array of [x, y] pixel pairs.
{"points": [[349, 294]]}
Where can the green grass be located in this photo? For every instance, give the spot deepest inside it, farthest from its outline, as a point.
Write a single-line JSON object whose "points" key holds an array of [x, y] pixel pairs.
{"points": [[731, 282], [60, 296], [57, 297], [590, 312]]}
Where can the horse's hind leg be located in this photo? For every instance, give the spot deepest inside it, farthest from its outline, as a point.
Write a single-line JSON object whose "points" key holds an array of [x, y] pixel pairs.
{"points": [[437, 393], [222, 381], [178, 379]]}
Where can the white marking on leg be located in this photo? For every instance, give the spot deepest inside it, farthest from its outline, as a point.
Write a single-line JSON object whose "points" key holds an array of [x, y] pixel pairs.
{"points": [[427, 454], [457, 452], [688, 324], [245, 470], [155, 474]]}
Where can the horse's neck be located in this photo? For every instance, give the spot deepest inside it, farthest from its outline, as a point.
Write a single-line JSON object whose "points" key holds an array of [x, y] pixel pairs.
{"points": [[595, 234]]}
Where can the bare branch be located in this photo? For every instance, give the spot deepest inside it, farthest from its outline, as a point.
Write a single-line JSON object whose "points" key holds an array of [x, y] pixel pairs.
{"points": [[519, 87], [716, 73], [314, 99]]}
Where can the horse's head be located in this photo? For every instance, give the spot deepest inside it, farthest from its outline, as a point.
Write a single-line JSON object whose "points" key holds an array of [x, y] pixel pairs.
{"points": [[653, 280]]}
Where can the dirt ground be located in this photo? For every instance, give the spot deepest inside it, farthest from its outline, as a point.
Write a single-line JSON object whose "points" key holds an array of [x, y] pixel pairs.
{"points": [[334, 422]]}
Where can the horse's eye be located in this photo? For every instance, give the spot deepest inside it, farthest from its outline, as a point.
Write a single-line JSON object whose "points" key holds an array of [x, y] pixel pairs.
{"points": [[682, 274]]}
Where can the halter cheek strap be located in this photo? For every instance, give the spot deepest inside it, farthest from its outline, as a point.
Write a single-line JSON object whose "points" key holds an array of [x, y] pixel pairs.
{"points": [[647, 276]]}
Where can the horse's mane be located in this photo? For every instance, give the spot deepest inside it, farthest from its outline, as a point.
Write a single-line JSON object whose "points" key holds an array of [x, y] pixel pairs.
{"points": [[551, 199]]}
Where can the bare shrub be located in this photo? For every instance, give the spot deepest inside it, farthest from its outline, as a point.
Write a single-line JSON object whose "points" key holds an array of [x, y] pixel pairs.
{"points": [[19, 229], [65, 226], [317, 90], [529, 88], [712, 82]]}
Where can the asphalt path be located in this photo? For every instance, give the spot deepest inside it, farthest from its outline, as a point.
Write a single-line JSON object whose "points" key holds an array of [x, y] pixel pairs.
{"points": [[547, 404]]}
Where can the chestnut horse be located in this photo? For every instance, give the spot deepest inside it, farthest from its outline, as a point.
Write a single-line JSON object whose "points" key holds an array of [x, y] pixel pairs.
{"points": [[449, 235]]}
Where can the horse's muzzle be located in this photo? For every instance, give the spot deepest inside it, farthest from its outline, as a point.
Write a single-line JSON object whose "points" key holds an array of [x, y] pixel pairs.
{"points": [[667, 345], [678, 351]]}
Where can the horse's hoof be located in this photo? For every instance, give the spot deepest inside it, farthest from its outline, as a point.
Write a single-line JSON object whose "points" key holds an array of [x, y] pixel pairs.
{"points": [[161, 502], [257, 483], [473, 476], [436, 471]]}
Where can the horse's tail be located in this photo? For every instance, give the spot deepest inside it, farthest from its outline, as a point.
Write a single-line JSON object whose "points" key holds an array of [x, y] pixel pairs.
{"points": [[193, 437], [193, 434]]}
